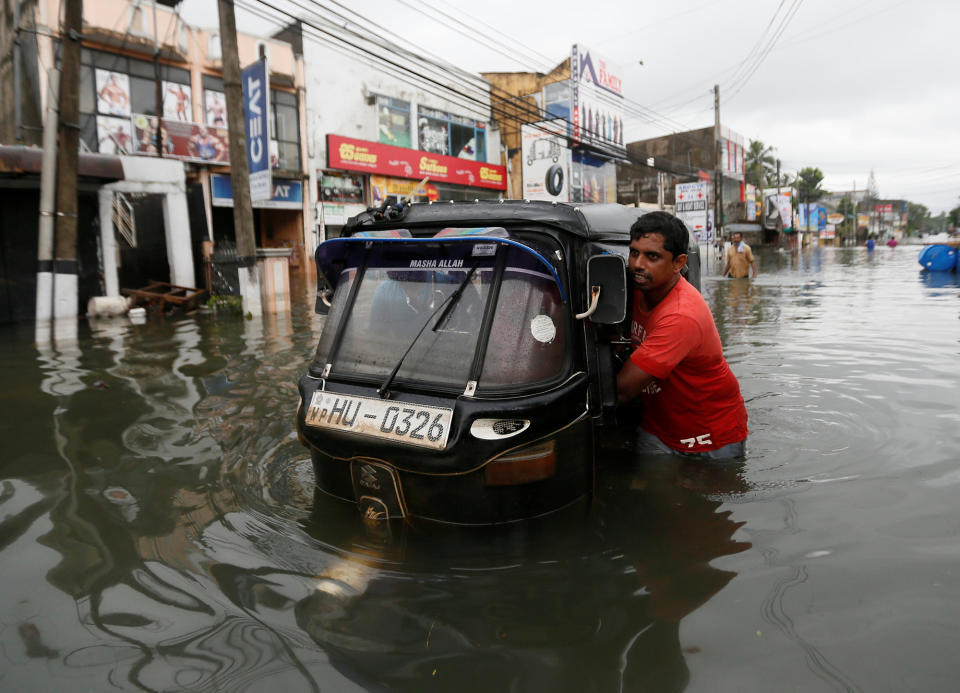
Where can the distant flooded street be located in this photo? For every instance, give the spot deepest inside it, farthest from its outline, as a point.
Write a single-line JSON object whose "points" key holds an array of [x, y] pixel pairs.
{"points": [[159, 531]]}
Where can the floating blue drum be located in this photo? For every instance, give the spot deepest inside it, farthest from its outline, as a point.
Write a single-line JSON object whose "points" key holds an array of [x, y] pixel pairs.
{"points": [[938, 258]]}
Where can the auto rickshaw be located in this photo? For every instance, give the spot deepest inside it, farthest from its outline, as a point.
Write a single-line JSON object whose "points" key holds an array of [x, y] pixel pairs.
{"points": [[466, 364]]}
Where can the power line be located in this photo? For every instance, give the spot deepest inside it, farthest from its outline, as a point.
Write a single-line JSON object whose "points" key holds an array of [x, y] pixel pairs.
{"points": [[784, 23], [406, 72]]}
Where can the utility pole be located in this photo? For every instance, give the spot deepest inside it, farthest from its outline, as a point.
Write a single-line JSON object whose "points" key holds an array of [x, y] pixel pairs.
{"points": [[48, 199], [854, 200], [159, 83], [239, 173], [718, 169], [65, 231], [779, 216]]}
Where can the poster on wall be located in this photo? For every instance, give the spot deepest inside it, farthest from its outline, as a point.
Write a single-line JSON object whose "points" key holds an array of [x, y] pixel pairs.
{"points": [[177, 102], [113, 93], [546, 162], [774, 203], [114, 135], [215, 108], [751, 201], [596, 101], [592, 179], [692, 207], [383, 188], [187, 141]]}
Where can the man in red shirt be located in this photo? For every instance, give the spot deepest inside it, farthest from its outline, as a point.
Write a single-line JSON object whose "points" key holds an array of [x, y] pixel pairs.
{"points": [[691, 399]]}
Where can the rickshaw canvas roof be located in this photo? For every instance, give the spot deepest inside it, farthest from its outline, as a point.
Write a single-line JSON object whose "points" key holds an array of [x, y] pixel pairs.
{"points": [[337, 254]]}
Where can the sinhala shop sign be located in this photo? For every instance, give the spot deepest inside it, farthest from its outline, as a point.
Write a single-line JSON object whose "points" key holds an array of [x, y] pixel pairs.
{"points": [[386, 160]]}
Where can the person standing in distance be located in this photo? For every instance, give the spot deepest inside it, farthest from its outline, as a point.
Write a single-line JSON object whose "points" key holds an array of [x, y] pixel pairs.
{"points": [[739, 258], [691, 399]]}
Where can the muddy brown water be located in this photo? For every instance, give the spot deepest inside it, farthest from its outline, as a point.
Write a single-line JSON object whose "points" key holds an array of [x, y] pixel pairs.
{"points": [[159, 531]]}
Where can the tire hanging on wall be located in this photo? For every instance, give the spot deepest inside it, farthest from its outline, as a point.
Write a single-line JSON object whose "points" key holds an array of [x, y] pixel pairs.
{"points": [[554, 179]]}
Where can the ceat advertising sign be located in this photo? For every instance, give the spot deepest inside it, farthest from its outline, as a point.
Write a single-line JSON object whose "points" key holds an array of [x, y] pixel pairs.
{"points": [[546, 163], [386, 160], [255, 87], [284, 194], [692, 206]]}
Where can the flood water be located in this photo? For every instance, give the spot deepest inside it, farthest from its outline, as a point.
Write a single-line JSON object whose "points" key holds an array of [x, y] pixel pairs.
{"points": [[158, 529]]}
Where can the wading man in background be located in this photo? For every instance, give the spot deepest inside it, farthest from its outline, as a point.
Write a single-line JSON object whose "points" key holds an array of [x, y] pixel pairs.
{"points": [[739, 258], [691, 399]]}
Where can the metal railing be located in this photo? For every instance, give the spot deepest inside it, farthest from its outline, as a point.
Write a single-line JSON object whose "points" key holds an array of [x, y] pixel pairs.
{"points": [[123, 219]]}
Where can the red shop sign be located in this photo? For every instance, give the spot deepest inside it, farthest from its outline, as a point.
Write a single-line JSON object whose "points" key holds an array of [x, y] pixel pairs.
{"points": [[387, 160]]}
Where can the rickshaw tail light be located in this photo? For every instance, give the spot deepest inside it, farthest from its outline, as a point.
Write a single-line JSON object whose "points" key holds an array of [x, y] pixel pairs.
{"points": [[523, 466]]}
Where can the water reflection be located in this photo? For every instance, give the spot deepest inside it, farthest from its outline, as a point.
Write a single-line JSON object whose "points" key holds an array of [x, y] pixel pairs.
{"points": [[940, 280], [159, 528], [590, 600]]}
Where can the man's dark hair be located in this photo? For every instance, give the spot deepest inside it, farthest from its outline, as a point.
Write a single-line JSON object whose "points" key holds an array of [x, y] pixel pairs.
{"points": [[675, 235]]}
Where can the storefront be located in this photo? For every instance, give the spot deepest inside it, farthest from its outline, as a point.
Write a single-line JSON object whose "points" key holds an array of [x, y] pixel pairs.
{"points": [[278, 222], [362, 174]]}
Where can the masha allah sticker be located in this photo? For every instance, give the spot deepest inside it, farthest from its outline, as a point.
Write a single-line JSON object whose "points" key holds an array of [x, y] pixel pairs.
{"points": [[543, 329]]}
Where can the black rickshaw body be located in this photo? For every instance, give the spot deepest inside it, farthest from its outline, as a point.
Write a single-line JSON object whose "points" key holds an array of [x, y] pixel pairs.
{"points": [[454, 380]]}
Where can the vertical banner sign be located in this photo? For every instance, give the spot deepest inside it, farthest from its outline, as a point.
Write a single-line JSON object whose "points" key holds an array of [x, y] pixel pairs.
{"points": [[575, 92], [692, 207], [256, 117]]}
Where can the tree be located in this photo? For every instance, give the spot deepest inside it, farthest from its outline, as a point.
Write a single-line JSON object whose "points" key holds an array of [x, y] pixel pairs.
{"points": [[918, 217], [760, 164], [955, 217], [846, 207], [808, 184]]}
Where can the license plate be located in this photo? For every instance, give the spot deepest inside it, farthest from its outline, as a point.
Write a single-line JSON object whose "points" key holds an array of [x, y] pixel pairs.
{"points": [[414, 424]]}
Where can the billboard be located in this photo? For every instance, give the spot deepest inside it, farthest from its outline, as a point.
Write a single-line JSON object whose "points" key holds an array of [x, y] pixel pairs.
{"points": [[284, 194], [811, 217], [364, 156], [596, 101], [255, 85], [181, 140], [751, 201], [774, 204], [692, 207], [546, 162]]}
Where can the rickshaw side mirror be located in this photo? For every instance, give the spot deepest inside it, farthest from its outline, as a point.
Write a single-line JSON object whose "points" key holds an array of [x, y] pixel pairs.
{"points": [[321, 306], [606, 289]]}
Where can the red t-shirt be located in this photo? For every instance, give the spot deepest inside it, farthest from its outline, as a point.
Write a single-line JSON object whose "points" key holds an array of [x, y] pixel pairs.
{"points": [[694, 405]]}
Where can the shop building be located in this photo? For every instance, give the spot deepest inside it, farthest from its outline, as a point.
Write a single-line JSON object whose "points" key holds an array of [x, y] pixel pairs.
{"points": [[562, 131], [385, 125], [151, 88]]}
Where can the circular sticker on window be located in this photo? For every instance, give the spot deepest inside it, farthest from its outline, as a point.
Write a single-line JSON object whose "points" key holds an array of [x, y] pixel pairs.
{"points": [[543, 329]]}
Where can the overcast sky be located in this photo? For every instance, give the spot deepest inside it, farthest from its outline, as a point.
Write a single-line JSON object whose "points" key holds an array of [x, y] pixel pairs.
{"points": [[843, 85]]}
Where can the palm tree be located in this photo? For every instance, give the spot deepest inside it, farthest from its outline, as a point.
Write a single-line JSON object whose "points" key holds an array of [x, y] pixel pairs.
{"points": [[760, 164]]}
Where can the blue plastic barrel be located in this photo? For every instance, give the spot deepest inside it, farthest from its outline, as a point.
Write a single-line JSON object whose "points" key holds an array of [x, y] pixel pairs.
{"points": [[938, 258]]}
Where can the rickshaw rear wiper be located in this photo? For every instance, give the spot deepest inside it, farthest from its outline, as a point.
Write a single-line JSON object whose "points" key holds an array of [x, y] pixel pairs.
{"points": [[447, 306]]}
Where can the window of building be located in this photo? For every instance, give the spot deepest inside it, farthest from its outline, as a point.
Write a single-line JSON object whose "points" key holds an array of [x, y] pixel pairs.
{"points": [[284, 131], [393, 121], [556, 100], [451, 135], [112, 89], [341, 187]]}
